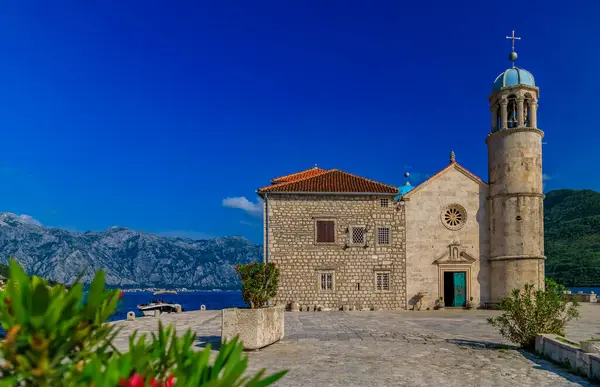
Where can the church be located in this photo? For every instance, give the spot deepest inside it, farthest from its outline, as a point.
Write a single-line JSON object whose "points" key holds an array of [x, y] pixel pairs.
{"points": [[345, 241]]}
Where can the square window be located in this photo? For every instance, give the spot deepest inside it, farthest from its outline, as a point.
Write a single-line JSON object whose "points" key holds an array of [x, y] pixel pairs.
{"points": [[383, 235], [382, 281], [384, 202], [358, 235], [326, 281], [325, 231]]}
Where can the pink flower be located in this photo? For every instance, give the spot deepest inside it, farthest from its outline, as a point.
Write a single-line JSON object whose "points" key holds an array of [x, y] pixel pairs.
{"points": [[170, 382], [135, 381]]}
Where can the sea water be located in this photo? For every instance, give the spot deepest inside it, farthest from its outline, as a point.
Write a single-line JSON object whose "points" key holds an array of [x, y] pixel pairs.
{"points": [[187, 300], [584, 290]]}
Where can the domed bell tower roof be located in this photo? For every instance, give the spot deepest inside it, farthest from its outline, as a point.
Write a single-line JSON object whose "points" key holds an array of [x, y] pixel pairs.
{"points": [[513, 76]]}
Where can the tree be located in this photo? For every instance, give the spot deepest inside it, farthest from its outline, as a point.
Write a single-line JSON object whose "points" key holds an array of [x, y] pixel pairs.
{"points": [[259, 283]]}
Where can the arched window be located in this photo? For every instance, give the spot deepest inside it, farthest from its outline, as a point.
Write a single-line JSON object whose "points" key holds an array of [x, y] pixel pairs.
{"points": [[512, 119], [498, 117], [527, 110]]}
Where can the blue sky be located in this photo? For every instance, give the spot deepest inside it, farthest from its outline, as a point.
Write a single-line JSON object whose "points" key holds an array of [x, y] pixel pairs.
{"points": [[151, 115]]}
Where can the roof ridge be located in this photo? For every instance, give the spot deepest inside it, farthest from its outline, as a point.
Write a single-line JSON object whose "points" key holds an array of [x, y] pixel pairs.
{"points": [[470, 173], [376, 185], [325, 171], [297, 173], [365, 178]]}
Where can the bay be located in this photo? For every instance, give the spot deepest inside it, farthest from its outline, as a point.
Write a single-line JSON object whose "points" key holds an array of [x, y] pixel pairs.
{"points": [[188, 301], [584, 290]]}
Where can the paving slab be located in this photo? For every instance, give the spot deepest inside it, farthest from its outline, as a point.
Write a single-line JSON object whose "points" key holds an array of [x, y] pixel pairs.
{"points": [[454, 347]]}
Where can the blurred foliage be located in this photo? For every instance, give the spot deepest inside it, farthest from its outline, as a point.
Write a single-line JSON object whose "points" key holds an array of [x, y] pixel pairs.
{"points": [[572, 237], [57, 337]]}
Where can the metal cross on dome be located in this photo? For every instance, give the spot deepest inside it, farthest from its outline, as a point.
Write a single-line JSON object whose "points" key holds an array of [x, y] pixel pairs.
{"points": [[513, 55], [513, 37]]}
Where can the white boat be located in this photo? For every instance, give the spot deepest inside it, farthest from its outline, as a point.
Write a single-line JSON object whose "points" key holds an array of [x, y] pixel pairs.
{"points": [[160, 307]]}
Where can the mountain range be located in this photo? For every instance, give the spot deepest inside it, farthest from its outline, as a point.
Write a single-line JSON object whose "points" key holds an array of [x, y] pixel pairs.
{"points": [[129, 258]]}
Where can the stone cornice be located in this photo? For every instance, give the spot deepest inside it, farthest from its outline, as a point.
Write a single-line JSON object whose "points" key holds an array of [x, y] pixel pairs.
{"points": [[509, 89], [462, 259], [519, 194], [328, 267], [514, 257], [509, 131]]}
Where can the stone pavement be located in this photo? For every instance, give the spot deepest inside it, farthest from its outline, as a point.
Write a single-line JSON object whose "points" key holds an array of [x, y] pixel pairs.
{"points": [[390, 348]]}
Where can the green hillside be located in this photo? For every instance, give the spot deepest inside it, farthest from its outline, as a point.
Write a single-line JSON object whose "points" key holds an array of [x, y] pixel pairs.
{"points": [[572, 236]]}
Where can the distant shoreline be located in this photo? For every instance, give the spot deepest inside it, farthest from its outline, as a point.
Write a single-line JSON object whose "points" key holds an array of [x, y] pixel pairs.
{"points": [[152, 290]]}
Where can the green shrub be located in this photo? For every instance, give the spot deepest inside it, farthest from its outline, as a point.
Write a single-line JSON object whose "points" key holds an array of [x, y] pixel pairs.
{"points": [[259, 283], [56, 337], [528, 312]]}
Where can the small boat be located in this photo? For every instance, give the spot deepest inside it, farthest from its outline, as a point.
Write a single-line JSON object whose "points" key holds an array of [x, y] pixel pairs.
{"points": [[160, 306], [164, 292]]}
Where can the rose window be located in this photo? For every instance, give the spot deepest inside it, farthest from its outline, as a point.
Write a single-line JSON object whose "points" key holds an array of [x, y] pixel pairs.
{"points": [[454, 216]]}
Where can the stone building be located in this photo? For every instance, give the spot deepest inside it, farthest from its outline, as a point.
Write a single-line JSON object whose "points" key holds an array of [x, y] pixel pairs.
{"points": [[340, 239]]}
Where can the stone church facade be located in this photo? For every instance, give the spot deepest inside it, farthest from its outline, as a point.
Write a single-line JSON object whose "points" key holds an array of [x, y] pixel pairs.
{"points": [[345, 240]]}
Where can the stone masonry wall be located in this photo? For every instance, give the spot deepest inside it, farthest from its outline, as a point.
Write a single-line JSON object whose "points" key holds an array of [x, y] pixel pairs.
{"points": [[293, 248], [428, 240], [516, 209]]}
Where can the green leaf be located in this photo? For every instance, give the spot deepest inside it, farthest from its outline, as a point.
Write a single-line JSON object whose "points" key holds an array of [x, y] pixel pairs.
{"points": [[96, 292], [41, 299], [268, 380]]}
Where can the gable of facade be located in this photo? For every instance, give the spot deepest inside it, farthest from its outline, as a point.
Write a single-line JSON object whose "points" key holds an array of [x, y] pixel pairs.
{"points": [[447, 231]]}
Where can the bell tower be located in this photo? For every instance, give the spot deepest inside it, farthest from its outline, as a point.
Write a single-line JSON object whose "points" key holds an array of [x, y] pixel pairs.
{"points": [[516, 208]]}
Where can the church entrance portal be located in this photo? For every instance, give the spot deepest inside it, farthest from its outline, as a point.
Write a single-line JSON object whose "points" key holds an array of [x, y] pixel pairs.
{"points": [[455, 288]]}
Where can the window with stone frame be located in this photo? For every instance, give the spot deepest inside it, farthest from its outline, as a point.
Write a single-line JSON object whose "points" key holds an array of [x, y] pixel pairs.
{"points": [[358, 235], [326, 281], [382, 281], [384, 202], [384, 236], [325, 232]]}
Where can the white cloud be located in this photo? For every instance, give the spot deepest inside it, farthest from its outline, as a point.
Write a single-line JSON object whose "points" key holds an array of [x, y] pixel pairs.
{"points": [[545, 178], [196, 235], [255, 209], [30, 219], [246, 223]]}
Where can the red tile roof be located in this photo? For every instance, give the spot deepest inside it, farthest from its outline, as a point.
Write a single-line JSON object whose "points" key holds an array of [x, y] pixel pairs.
{"points": [[331, 181], [298, 175]]}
